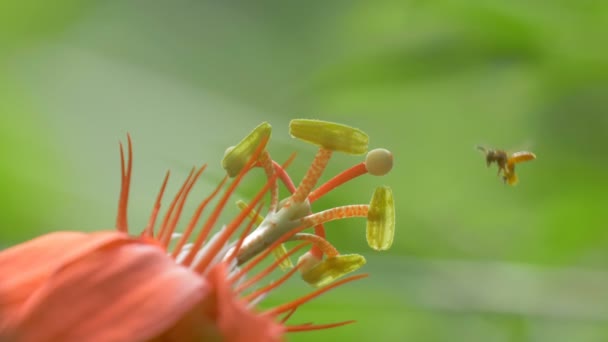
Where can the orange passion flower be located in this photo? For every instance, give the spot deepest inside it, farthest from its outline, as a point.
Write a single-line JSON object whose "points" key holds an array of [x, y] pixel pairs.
{"points": [[199, 284]]}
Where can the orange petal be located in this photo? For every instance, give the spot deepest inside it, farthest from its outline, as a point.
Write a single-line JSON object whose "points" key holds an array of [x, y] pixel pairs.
{"points": [[26, 266], [122, 290], [236, 322]]}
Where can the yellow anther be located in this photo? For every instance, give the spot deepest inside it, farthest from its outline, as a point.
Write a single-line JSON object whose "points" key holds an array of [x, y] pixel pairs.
{"points": [[329, 135], [330, 269], [381, 219], [237, 156]]}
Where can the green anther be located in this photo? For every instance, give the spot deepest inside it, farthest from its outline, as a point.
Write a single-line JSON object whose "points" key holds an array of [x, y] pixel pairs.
{"points": [[332, 268], [278, 252], [236, 157], [381, 219], [329, 135]]}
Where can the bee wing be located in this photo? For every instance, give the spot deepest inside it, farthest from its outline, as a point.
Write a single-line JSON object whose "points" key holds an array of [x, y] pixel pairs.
{"points": [[522, 156]]}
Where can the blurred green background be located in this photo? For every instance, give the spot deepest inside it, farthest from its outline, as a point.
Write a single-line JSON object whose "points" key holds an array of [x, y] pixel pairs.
{"points": [[473, 259]]}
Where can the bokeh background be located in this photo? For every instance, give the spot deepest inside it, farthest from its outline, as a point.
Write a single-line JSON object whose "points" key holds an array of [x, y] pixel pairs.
{"points": [[473, 259]]}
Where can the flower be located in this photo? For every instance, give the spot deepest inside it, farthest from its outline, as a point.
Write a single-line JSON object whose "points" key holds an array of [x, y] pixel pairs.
{"points": [[196, 285]]}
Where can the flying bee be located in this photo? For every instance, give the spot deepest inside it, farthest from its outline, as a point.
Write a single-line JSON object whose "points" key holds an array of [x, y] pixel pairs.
{"points": [[506, 163]]}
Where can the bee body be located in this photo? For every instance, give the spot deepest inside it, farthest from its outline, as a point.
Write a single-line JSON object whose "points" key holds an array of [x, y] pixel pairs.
{"points": [[506, 163]]}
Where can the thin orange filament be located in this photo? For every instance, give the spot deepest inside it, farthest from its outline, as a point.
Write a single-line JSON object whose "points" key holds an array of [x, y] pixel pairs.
{"points": [[166, 238], [341, 178], [267, 270], [253, 295], [149, 230], [311, 327], [169, 213], [194, 220], [125, 183], [304, 299]]}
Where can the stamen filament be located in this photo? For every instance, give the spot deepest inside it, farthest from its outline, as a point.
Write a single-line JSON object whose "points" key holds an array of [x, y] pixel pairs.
{"points": [[313, 174], [283, 175], [125, 183], [266, 271], [149, 230], [197, 214], [310, 327], [169, 213], [266, 163], [288, 315], [244, 234], [354, 210], [304, 299], [343, 177], [229, 230], [220, 206], [324, 245], [254, 295], [166, 237]]}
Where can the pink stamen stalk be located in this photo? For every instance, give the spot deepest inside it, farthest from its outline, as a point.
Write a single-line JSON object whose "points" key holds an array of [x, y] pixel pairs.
{"points": [[266, 163], [284, 176]]}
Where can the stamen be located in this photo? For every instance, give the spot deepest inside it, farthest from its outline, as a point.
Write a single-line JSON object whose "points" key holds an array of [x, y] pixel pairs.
{"points": [[304, 299], [332, 268], [196, 217], [283, 175], [378, 162], [229, 231], [266, 163], [125, 183], [320, 242], [330, 135], [176, 198], [354, 210], [244, 234], [221, 205], [381, 219], [288, 315], [149, 230], [278, 252], [310, 327], [312, 175], [166, 237], [264, 272], [338, 180], [238, 156], [266, 289]]}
